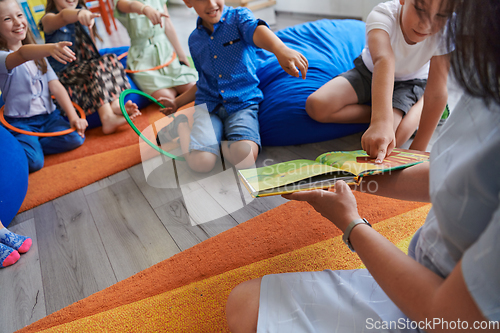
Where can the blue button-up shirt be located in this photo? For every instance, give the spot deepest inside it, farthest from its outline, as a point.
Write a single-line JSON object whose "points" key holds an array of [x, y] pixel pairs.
{"points": [[225, 61]]}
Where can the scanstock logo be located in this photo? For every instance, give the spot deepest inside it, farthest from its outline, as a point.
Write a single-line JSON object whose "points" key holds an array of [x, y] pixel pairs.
{"points": [[193, 196]]}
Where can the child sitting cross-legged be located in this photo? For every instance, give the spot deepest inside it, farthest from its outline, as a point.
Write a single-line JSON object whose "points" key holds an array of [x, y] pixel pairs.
{"points": [[223, 50], [406, 57]]}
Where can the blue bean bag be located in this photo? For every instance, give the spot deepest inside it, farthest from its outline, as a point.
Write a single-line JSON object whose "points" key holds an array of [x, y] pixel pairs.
{"points": [[330, 46], [13, 176]]}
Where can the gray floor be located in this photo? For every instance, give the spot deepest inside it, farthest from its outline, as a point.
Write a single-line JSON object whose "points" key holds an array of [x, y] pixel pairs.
{"points": [[101, 234]]}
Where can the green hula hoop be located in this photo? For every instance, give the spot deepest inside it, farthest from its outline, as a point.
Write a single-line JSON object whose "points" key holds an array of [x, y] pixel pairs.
{"points": [[129, 121]]}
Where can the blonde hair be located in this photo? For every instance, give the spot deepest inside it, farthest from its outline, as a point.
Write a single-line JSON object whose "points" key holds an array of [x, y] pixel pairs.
{"points": [[29, 39]]}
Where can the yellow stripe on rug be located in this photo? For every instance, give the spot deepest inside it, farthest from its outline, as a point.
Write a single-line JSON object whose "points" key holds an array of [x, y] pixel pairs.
{"points": [[199, 306]]}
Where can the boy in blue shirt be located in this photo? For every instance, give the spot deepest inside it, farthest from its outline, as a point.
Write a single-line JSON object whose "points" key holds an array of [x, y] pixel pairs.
{"points": [[223, 50]]}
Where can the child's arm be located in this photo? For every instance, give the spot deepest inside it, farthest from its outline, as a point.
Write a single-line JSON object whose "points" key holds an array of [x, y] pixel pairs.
{"points": [[59, 51], [435, 98], [379, 139], [288, 59], [171, 105], [62, 97], [51, 22], [127, 6], [174, 40]]}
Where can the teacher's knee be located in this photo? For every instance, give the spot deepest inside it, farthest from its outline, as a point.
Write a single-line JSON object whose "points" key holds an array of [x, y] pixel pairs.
{"points": [[242, 307]]}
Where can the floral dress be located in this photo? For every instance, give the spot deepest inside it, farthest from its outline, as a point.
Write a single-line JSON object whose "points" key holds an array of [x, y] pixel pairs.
{"points": [[92, 80]]}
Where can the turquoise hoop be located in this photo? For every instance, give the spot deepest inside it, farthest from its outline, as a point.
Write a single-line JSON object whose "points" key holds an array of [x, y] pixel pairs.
{"points": [[129, 121]]}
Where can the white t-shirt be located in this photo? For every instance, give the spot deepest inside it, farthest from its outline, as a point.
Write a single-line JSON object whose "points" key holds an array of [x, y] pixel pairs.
{"points": [[412, 61]]}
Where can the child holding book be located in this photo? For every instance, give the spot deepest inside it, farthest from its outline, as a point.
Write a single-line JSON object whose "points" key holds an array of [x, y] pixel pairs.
{"points": [[154, 43], [223, 50], [27, 82], [405, 58], [93, 82], [449, 279]]}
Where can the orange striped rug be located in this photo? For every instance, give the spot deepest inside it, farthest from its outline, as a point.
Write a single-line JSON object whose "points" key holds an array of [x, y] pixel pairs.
{"points": [[187, 292]]}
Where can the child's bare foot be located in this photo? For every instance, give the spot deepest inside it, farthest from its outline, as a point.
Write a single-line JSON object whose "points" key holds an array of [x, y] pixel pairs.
{"points": [[110, 122], [132, 109]]}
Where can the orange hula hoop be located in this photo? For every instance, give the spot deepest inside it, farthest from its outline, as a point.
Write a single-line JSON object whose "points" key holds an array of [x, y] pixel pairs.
{"points": [[121, 56], [64, 132]]}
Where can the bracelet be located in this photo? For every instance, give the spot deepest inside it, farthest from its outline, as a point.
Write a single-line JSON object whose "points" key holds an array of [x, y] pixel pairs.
{"points": [[143, 7], [348, 230], [78, 12]]}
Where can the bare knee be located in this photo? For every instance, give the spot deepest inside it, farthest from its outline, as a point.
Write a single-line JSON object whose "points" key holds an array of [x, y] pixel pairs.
{"points": [[201, 161], [169, 93], [320, 109], [313, 107], [242, 307], [241, 154]]}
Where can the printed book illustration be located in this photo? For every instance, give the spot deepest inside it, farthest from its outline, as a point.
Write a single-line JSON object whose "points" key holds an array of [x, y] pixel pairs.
{"points": [[301, 175]]}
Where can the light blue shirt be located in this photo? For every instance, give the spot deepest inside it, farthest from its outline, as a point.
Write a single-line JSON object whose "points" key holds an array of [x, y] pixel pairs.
{"points": [[225, 61], [16, 84], [464, 222]]}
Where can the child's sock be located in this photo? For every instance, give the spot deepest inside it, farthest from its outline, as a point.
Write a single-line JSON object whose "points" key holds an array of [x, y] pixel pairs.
{"points": [[20, 243], [8, 256]]}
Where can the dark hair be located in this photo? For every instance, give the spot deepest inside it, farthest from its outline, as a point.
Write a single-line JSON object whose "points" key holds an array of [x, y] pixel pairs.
{"points": [[51, 8], [29, 39], [474, 30]]}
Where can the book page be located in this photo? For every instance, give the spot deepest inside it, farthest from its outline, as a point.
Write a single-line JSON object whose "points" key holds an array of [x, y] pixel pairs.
{"points": [[284, 173], [359, 163]]}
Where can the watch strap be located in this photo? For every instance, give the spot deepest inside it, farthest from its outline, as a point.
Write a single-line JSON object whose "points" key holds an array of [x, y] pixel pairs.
{"points": [[348, 231]]}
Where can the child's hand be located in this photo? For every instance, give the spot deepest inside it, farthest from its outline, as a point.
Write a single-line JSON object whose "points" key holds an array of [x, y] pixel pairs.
{"points": [[339, 207], [184, 62], [80, 125], [290, 60], [61, 52], [170, 105], [154, 16], [378, 141], [86, 17]]}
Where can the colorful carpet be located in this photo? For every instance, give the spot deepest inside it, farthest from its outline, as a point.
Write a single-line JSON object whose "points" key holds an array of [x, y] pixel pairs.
{"points": [[99, 157], [188, 292]]}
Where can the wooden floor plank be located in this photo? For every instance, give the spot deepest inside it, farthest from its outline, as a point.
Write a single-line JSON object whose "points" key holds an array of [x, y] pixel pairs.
{"points": [[72, 257], [174, 216], [313, 150], [22, 301], [134, 237], [22, 217], [161, 185], [273, 155], [106, 182]]}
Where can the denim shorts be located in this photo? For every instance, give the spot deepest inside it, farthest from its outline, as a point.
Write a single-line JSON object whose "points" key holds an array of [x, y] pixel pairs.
{"points": [[405, 95], [209, 129]]}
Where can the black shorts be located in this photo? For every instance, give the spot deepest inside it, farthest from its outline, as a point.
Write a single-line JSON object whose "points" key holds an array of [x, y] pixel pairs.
{"points": [[405, 95]]}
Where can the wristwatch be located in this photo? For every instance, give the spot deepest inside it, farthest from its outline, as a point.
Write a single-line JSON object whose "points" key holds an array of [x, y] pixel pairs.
{"points": [[348, 230]]}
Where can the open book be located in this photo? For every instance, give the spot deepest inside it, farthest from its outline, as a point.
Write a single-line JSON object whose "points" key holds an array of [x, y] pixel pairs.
{"points": [[301, 175]]}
